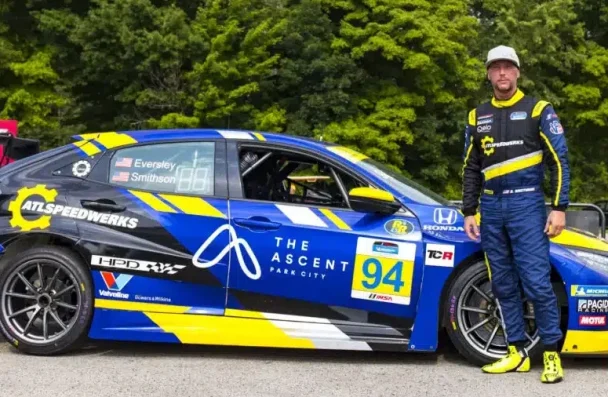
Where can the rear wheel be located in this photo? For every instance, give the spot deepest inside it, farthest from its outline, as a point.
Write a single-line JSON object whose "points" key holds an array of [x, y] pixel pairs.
{"points": [[45, 301], [473, 318]]}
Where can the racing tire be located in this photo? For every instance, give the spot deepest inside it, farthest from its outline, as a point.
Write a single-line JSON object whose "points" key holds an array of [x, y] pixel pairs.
{"points": [[473, 323], [60, 307]]}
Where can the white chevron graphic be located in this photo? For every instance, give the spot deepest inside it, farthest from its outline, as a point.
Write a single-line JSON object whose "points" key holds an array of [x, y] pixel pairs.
{"points": [[236, 243]]}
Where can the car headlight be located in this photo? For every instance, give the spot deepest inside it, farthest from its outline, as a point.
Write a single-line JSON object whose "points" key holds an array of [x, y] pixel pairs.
{"points": [[595, 261]]}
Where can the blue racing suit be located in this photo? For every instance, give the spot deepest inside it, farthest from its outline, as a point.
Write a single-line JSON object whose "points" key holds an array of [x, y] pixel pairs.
{"points": [[506, 144]]}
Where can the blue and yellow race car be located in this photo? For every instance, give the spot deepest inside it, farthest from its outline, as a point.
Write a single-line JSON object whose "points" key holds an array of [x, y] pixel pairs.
{"points": [[243, 238]]}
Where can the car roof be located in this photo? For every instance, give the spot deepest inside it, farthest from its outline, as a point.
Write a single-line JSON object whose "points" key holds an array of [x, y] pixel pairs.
{"points": [[120, 138]]}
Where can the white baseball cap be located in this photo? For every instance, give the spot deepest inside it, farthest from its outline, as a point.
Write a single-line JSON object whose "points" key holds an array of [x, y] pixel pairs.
{"points": [[501, 53]]}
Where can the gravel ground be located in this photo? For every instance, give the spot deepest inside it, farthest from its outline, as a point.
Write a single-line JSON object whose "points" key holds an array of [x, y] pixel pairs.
{"points": [[166, 370]]}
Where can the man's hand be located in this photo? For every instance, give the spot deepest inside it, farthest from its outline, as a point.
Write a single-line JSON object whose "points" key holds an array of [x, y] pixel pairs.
{"points": [[470, 226], [556, 222]]}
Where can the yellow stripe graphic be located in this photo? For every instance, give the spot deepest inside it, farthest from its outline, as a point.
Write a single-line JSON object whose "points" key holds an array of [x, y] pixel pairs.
{"points": [[488, 266], [237, 327], [89, 135], [226, 330], [559, 168], [473, 117], [335, 219], [193, 205], [111, 140], [347, 153], [139, 306], [259, 136], [87, 147], [513, 166], [153, 201], [466, 158]]}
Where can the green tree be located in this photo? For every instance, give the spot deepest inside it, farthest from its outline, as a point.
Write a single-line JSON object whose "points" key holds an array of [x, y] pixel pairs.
{"points": [[420, 79]]}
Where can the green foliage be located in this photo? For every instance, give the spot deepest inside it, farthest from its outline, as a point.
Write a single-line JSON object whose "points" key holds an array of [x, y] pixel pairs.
{"points": [[392, 78]]}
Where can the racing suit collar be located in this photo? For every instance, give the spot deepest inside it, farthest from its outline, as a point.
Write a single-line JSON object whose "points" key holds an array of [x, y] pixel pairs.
{"points": [[509, 102]]}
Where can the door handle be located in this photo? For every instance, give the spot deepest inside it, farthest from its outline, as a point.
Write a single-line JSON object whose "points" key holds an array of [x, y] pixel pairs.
{"points": [[102, 205], [257, 223]]}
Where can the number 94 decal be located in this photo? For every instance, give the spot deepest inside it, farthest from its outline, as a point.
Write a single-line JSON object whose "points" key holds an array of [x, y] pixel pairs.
{"points": [[383, 271]]}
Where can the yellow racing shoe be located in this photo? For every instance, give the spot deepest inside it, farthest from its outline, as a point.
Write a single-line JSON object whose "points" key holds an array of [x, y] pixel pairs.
{"points": [[514, 361], [553, 372]]}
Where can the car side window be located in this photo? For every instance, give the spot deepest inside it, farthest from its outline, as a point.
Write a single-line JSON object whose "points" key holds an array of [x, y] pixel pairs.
{"points": [[184, 167], [287, 177]]}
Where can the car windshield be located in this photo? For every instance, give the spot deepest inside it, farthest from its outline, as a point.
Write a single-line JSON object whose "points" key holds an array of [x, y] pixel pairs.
{"points": [[403, 185]]}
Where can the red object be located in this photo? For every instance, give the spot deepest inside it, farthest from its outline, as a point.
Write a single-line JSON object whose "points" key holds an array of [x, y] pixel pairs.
{"points": [[10, 126]]}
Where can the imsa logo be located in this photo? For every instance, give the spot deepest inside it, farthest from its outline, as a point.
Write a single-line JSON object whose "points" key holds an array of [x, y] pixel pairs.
{"points": [[134, 264], [380, 297]]}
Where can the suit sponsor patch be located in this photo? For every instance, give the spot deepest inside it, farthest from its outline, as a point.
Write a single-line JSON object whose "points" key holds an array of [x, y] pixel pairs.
{"points": [[484, 128], [556, 127], [518, 116]]}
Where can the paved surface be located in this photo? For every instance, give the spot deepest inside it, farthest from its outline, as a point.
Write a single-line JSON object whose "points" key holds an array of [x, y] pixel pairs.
{"points": [[179, 371]]}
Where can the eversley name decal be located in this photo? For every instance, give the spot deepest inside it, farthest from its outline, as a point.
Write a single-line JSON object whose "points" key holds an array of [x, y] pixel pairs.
{"points": [[79, 213]]}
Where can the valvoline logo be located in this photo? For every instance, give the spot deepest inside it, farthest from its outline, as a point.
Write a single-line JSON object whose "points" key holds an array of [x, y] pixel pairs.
{"points": [[386, 247], [115, 282]]}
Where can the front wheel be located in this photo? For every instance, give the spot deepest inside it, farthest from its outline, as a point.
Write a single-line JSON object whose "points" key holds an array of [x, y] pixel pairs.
{"points": [[473, 318], [46, 299]]}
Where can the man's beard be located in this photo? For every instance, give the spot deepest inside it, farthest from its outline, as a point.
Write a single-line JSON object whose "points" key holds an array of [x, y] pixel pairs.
{"points": [[504, 90]]}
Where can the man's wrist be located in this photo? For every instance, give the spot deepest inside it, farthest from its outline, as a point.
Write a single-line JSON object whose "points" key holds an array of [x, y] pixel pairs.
{"points": [[561, 208], [469, 211]]}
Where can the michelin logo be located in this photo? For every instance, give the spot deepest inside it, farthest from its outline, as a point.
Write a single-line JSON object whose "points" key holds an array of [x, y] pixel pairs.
{"points": [[592, 291]]}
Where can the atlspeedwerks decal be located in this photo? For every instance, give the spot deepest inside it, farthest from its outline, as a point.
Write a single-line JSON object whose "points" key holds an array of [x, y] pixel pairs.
{"points": [[47, 207]]}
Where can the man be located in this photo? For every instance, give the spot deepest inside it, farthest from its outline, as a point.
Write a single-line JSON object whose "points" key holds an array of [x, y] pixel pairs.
{"points": [[506, 141]]}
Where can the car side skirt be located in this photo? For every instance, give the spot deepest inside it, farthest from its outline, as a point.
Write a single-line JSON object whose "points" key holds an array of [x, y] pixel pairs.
{"points": [[151, 322]]}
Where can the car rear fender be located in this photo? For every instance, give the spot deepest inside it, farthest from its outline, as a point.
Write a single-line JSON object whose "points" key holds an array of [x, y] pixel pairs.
{"points": [[20, 242]]}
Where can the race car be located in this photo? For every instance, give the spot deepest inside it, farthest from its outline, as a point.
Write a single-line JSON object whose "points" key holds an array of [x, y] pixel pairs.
{"points": [[231, 237]]}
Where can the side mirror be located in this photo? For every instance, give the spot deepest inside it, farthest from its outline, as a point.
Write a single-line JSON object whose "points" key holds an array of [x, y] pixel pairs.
{"points": [[367, 199]]}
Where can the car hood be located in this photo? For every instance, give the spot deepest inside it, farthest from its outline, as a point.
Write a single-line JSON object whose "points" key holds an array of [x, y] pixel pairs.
{"points": [[448, 223], [572, 237]]}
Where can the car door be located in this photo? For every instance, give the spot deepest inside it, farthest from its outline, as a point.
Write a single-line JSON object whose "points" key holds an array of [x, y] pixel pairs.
{"points": [[316, 259], [142, 212]]}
